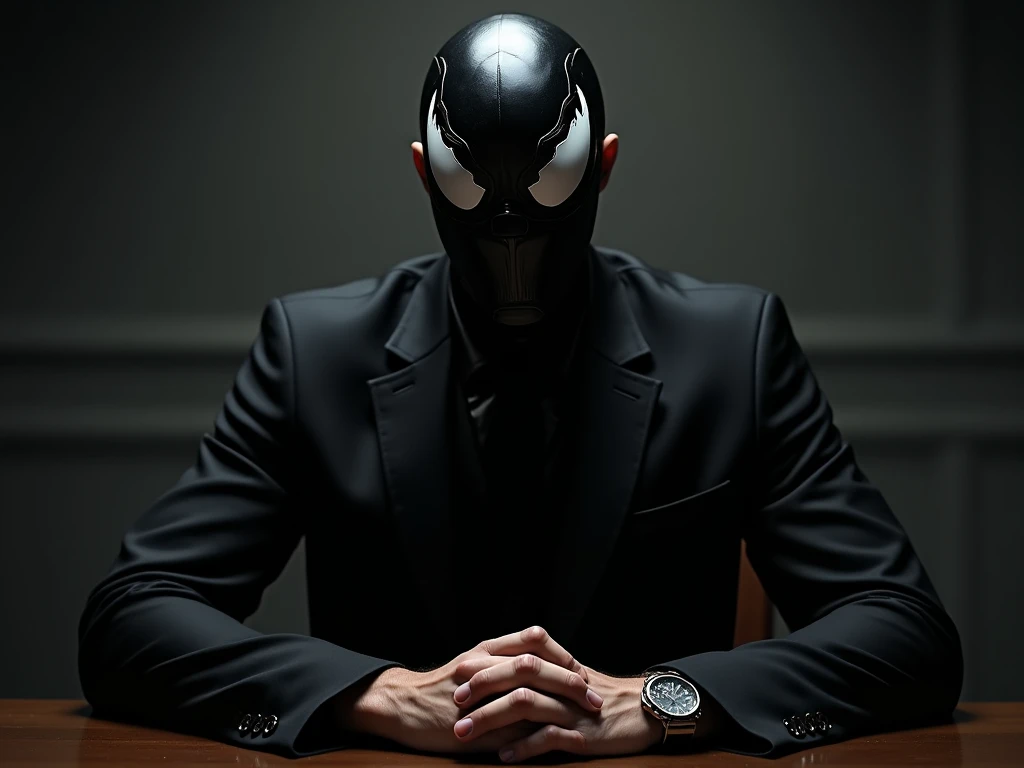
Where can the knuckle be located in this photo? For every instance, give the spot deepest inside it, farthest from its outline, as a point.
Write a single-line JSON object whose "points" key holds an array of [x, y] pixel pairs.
{"points": [[551, 733], [481, 679], [527, 664], [576, 741], [462, 669], [534, 634], [572, 664], [522, 697], [574, 682]]}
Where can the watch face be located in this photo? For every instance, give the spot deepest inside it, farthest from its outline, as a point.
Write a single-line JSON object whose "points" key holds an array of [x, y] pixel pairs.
{"points": [[673, 696]]}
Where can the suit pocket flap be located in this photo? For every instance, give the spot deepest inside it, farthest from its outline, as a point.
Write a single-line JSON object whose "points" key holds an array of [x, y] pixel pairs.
{"points": [[710, 498]]}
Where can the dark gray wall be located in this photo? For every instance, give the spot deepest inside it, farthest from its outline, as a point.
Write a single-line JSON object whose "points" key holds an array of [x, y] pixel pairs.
{"points": [[169, 167]]}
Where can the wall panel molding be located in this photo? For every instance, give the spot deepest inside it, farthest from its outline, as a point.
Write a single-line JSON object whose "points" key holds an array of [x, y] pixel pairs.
{"points": [[59, 350], [143, 424], [229, 337], [149, 337], [958, 481]]}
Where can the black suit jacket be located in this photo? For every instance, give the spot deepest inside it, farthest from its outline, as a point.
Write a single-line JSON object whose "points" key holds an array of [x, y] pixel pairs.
{"points": [[701, 424]]}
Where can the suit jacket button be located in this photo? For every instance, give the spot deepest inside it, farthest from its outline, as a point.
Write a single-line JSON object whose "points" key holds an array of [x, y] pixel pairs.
{"points": [[800, 725], [269, 725], [793, 728], [244, 723], [812, 722], [257, 725]]}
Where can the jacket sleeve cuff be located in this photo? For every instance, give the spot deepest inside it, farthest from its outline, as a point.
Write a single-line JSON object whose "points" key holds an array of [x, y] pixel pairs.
{"points": [[304, 725], [745, 714]]}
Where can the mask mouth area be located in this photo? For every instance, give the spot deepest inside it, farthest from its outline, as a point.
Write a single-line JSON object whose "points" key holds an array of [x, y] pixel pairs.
{"points": [[509, 225], [518, 315]]}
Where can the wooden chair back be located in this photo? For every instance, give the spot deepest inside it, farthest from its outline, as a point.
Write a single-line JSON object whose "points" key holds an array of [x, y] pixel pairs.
{"points": [[753, 608]]}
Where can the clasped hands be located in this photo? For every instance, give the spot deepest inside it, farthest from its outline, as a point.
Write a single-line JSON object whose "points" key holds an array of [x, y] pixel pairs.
{"points": [[521, 695]]}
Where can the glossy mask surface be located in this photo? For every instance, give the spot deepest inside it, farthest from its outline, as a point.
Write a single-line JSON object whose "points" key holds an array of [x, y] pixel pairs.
{"points": [[512, 120]]}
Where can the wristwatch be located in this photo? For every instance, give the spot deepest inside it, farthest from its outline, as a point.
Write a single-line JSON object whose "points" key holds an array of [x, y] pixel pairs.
{"points": [[673, 699]]}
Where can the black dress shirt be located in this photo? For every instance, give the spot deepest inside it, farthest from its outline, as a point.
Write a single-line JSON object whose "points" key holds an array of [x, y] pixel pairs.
{"points": [[510, 442], [475, 375]]}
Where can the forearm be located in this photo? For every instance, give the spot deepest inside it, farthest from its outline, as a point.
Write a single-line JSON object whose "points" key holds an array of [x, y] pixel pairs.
{"points": [[375, 706]]}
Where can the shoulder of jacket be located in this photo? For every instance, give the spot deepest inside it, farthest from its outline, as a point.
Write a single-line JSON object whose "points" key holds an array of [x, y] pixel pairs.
{"points": [[400, 278], [638, 274]]}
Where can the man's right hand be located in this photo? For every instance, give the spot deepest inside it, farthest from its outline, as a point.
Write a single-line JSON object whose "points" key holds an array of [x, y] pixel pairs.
{"points": [[419, 709]]}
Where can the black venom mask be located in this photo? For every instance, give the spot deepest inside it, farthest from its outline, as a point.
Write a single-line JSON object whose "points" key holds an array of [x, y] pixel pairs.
{"points": [[512, 121]]}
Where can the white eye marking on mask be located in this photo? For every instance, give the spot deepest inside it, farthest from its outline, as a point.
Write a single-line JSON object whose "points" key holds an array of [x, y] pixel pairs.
{"points": [[453, 180], [560, 177]]}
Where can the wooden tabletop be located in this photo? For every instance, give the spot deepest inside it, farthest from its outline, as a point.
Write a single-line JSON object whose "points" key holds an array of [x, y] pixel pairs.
{"points": [[61, 733]]}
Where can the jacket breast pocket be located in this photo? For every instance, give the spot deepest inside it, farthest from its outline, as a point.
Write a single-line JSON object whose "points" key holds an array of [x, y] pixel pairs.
{"points": [[714, 508]]}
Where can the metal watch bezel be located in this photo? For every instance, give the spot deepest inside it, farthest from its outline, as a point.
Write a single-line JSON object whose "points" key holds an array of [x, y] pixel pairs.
{"points": [[657, 711]]}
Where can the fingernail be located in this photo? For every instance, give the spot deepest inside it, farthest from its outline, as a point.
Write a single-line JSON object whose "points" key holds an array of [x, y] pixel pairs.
{"points": [[594, 698], [506, 755], [464, 727], [462, 693]]}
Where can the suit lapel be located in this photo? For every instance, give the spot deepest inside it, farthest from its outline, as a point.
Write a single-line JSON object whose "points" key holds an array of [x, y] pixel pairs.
{"points": [[415, 434], [614, 417]]}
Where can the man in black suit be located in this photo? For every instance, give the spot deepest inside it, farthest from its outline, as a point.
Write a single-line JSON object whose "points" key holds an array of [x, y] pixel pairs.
{"points": [[524, 431]]}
